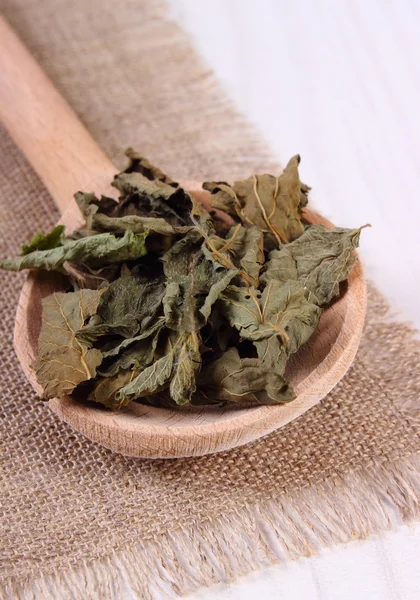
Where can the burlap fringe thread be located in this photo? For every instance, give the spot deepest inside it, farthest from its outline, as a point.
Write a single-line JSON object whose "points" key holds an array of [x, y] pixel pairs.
{"points": [[339, 510]]}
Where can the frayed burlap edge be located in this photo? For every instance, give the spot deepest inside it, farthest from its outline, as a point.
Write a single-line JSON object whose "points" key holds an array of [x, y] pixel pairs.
{"points": [[338, 511]]}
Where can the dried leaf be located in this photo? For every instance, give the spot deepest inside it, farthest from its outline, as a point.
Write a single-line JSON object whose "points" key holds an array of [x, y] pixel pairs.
{"points": [[217, 282], [289, 308], [105, 390], [186, 366], [153, 198], [134, 223], [224, 197], [172, 305], [114, 349], [198, 316], [63, 362], [242, 309], [145, 192], [194, 284], [151, 380], [139, 164], [84, 278], [176, 369], [273, 204], [184, 283], [136, 183], [251, 255], [242, 249], [126, 307], [281, 310], [53, 239], [95, 251], [320, 259], [90, 205], [231, 378], [136, 355]]}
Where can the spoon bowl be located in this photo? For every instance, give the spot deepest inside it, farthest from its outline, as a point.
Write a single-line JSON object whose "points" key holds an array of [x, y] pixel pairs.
{"points": [[150, 432]]}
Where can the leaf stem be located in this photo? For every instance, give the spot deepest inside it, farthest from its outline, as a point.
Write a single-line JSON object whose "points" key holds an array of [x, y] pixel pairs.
{"points": [[230, 241], [263, 211]]}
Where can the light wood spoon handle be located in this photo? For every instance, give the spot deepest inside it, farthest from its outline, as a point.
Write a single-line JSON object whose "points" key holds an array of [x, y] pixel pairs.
{"points": [[45, 128]]}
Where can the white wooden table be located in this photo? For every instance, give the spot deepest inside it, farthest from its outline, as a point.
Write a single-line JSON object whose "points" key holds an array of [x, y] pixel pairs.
{"points": [[339, 82]]}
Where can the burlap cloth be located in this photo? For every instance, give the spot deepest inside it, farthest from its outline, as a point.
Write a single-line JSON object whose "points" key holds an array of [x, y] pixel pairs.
{"points": [[80, 522]]}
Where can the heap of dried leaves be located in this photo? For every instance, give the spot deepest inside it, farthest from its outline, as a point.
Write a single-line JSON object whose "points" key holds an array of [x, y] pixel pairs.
{"points": [[169, 304]]}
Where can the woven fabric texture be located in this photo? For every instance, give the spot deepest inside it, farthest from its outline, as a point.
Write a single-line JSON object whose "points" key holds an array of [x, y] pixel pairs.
{"points": [[132, 77]]}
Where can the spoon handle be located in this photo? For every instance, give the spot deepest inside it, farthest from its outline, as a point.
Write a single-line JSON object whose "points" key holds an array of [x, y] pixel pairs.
{"points": [[45, 128]]}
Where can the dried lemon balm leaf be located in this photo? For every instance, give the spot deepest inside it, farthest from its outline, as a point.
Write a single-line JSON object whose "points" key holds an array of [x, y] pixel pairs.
{"points": [[273, 204], [170, 304], [63, 362]]}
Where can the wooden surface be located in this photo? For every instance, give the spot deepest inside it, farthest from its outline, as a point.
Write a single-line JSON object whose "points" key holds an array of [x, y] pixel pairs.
{"points": [[382, 568], [141, 430]]}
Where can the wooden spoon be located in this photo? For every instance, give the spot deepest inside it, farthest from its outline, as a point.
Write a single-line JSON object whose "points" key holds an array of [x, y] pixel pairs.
{"points": [[67, 159]]}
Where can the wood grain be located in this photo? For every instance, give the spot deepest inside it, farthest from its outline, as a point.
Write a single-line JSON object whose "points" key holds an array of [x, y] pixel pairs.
{"points": [[45, 128], [66, 158]]}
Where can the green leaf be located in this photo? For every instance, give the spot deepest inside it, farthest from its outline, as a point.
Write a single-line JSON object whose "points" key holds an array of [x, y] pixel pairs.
{"points": [[320, 259], [89, 205], [251, 254], [96, 251], [152, 198], [273, 204], [193, 284], [134, 223], [233, 379], [53, 239], [136, 355], [63, 362], [152, 379], [176, 369], [289, 308], [114, 349], [106, 389], [127, 306], [281, 310], [217, 282], [186, 367]]}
